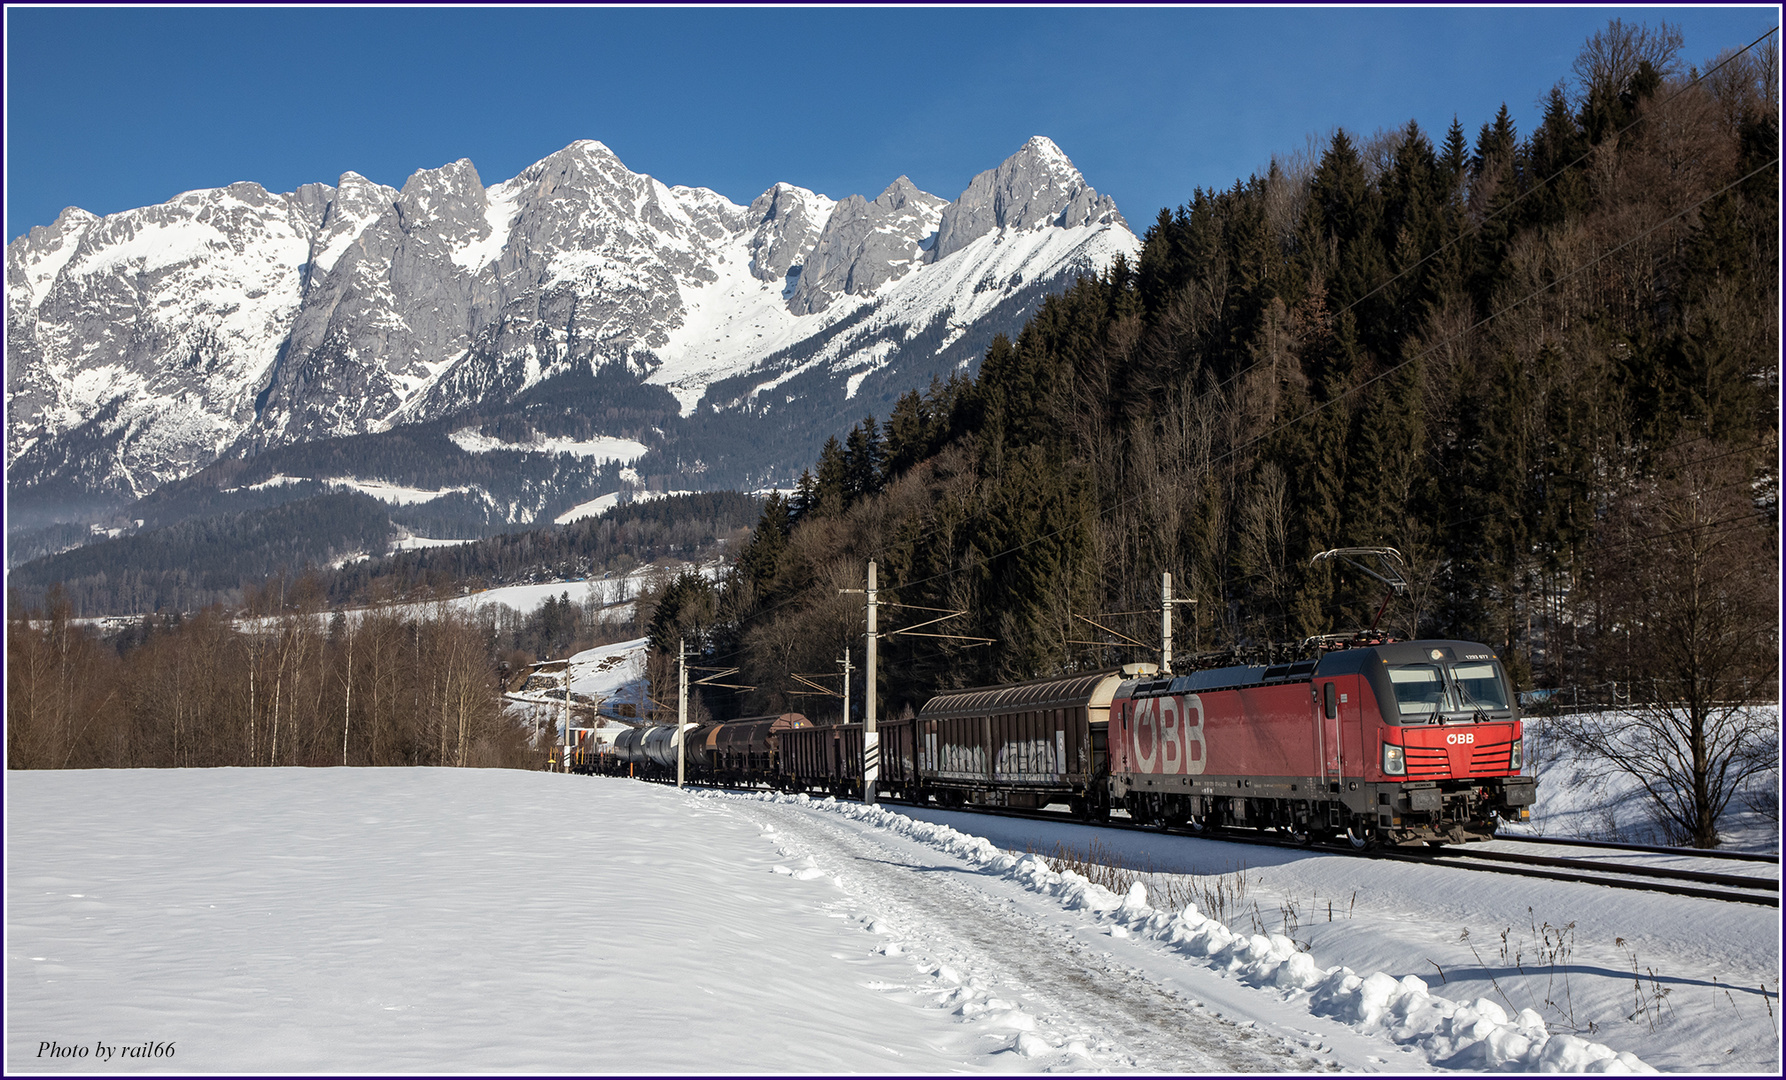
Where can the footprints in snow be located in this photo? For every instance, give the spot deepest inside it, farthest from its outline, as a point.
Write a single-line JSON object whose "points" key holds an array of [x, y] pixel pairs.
{"points": [[1005, 1022]]}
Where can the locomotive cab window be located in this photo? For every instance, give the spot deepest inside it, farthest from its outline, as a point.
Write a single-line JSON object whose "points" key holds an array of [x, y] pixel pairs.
{"points": [[1419, 690], [1479, 685]]}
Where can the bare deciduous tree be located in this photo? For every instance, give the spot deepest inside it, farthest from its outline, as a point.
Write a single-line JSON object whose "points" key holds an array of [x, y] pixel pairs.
{"points": [[1611, 57], [1686, 581]]}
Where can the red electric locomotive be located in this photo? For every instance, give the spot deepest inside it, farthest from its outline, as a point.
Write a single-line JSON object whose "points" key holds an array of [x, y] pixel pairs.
{"points": [[1405, 743]]}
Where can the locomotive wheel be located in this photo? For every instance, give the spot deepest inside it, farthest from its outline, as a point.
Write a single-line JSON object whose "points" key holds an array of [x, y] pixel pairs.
{"points": [[1199, 825], [1358, 838]]}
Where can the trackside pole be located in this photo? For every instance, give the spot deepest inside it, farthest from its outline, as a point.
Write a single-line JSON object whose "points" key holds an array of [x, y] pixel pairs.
{"points": [[871, 739], [681, 703], [845, 663], [1165, 624]]}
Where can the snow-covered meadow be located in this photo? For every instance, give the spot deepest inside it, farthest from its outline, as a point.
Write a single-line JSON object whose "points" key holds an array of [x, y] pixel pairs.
{"points": [[388, 920]]}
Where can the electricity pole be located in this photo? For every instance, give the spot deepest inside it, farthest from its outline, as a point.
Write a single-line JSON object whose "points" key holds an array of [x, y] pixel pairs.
{"points": [[681, 702], [1166, 603], [871, 739], [845, 664], [1166, 623]]}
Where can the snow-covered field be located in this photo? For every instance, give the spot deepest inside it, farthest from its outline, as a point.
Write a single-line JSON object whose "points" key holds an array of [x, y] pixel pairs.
{"points": [[424, 920], [615, 592], [600, 448], [605, 671]]}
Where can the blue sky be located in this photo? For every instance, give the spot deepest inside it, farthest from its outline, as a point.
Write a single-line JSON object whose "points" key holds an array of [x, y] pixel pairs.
{"points": [[114, 108]]}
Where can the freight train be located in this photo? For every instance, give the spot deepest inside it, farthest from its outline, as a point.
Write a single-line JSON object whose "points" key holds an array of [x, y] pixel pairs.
{"points": [[1405, 743]]}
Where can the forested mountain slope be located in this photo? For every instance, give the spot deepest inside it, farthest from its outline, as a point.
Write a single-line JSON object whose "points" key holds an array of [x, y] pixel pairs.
{"points": [[1542, 366]]}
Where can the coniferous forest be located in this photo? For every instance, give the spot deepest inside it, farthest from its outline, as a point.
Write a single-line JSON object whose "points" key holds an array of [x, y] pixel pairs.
{"points": [[1513, 356], [1543, 366]]}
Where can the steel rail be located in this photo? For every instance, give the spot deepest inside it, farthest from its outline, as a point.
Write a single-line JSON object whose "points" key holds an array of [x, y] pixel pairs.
{"points": [[1458, 858], [1704, 877], [1697, 853], [1439, 859]]}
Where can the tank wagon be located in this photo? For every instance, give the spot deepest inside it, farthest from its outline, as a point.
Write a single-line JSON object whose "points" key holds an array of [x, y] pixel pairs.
{"points": [[746, 751]]}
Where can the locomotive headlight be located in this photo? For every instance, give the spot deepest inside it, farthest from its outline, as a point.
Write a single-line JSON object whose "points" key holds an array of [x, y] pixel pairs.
{"points": [[1394, 762], [1519, 756]]}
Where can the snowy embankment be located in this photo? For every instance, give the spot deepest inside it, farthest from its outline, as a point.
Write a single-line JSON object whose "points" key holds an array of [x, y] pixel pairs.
{"points": [[607, 676], [1476, 1034]]}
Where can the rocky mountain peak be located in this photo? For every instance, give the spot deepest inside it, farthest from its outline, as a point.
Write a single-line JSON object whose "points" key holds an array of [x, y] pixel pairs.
{"points": [[451, 196], [902, 193], [789, 220], [1036, 187], [1042, 148], [34, 260], [866, 244], [144, 344]]}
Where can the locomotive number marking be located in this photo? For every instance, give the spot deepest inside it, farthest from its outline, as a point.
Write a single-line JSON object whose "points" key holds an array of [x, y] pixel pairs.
{"points": [[1168, 736], [1468, 737]]}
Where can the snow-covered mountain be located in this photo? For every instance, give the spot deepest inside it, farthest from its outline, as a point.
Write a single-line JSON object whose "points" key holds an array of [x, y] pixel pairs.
{"points": [[145, 345]]}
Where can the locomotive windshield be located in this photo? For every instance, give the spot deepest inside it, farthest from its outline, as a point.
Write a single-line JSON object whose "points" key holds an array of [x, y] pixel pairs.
{"points": [[1480, 685], [1428, 691], [1419, 689]]}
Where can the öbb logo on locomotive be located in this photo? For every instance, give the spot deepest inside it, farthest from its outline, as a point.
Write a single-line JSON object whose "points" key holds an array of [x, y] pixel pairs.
{"points": [[1169, 735], [1362, 743]]}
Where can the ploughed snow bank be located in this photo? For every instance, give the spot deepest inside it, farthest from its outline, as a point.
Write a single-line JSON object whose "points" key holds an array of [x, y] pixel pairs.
{"points": [[1475, 1035]]}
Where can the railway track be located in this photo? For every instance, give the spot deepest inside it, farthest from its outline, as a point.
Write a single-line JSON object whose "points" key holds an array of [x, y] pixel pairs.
{"points": [[1705, 885], [1702, 884], [1697, 853]]}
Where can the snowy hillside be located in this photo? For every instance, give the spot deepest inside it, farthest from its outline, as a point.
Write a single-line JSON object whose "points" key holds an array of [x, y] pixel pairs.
{"points": [[605, 678]]}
